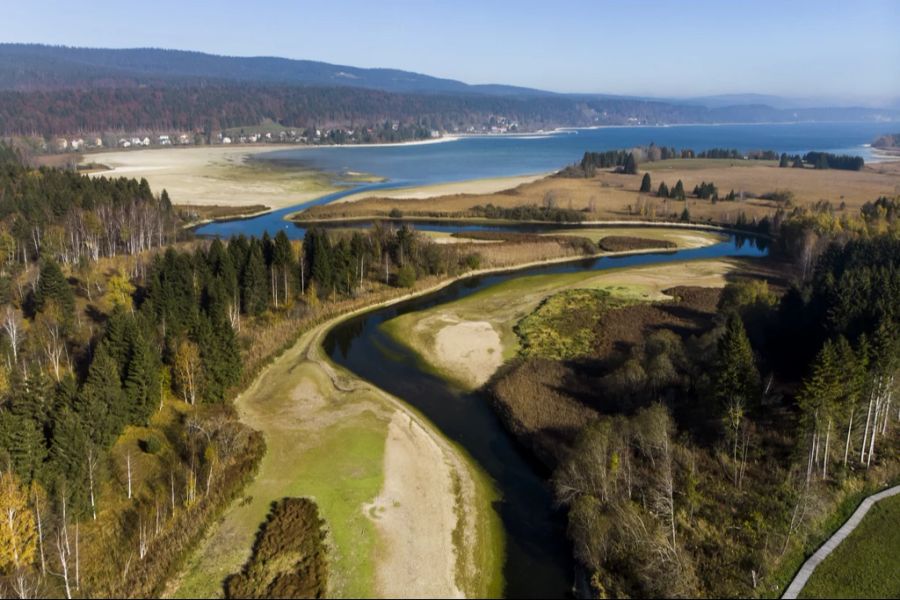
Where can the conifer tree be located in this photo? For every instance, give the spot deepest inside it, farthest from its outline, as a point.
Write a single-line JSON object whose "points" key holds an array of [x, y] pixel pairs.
{"points": [[254, 284], [101, 401], [52, 286], [67, 460], [630, 164], [645, 184], [736, 380], [818, 402], [22, 444]]}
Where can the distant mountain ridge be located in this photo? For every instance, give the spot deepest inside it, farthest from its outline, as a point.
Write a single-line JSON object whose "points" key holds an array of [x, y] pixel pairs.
{"points": [[28, 67], [59, 90]]}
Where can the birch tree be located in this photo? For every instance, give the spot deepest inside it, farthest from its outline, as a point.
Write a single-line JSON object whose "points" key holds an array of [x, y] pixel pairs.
{"points": [[14, 326], [188, 370], [18, 534]]}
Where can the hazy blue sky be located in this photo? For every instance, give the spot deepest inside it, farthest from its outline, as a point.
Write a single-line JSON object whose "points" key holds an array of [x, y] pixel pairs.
{"points": [[663, 48]]}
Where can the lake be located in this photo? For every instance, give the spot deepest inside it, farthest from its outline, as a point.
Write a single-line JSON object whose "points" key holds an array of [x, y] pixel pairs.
{"points": [[480, 157]]}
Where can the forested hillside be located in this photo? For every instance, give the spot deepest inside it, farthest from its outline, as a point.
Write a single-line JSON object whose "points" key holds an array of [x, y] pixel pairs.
{"points": [[120, 354], [211, 108], [702, 446], [69, 217], [50, 91], [30, 67]]}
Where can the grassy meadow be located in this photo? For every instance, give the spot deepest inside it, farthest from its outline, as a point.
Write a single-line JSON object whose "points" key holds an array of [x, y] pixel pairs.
{"points": [[867, 563], [615, 196]]}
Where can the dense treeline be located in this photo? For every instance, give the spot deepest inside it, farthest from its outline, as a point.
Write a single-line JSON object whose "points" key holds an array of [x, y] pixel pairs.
{"points": [[529, 212], [215, 107], [155, 355], [627, 160], [605, 160], [826, 160], [154, 106], [51, 212], [822, 160], [643, 499]]}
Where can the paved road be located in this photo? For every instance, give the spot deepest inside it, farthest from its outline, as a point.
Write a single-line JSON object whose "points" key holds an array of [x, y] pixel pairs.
{"points": [[825, 549]]}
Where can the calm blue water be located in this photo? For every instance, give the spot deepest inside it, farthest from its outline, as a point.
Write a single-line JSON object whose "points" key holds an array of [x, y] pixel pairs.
{"points": [[498, 156]]}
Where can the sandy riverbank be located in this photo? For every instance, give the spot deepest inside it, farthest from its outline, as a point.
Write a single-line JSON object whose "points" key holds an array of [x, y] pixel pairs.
{"points": [[467, 340], [344, 442], [217, 175], [408, 515], [473, 186]]}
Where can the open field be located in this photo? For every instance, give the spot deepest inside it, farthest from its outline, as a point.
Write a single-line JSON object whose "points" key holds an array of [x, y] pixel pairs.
{"points": [[867, 563], [217, 175], [612, 196], [466, 341], [394, 493]]}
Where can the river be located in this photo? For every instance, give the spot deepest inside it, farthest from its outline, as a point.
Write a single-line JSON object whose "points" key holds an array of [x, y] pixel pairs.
{"points": [[539, 563], [539, 560]]}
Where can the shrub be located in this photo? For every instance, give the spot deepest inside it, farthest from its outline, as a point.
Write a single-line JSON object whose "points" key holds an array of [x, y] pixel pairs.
{"points": [[472, 261], [406, 276], [151, 445], [288, 559]]}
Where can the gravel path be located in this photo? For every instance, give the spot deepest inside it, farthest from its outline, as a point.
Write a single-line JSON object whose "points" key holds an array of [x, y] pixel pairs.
{"points": [[825, 549]]}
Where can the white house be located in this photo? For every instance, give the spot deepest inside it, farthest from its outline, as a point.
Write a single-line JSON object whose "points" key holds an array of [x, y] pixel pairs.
{"points": [[226, 140]]}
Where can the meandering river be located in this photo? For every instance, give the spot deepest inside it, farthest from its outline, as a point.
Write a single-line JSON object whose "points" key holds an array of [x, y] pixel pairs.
{"points": [[538, 562]]}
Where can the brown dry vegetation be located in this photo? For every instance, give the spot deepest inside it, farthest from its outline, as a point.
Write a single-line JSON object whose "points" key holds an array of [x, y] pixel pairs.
{"points": [[613, 196], [536, 399], [622, 243], [545, 403], [514, 253], [202, 212], [288, 558]]}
